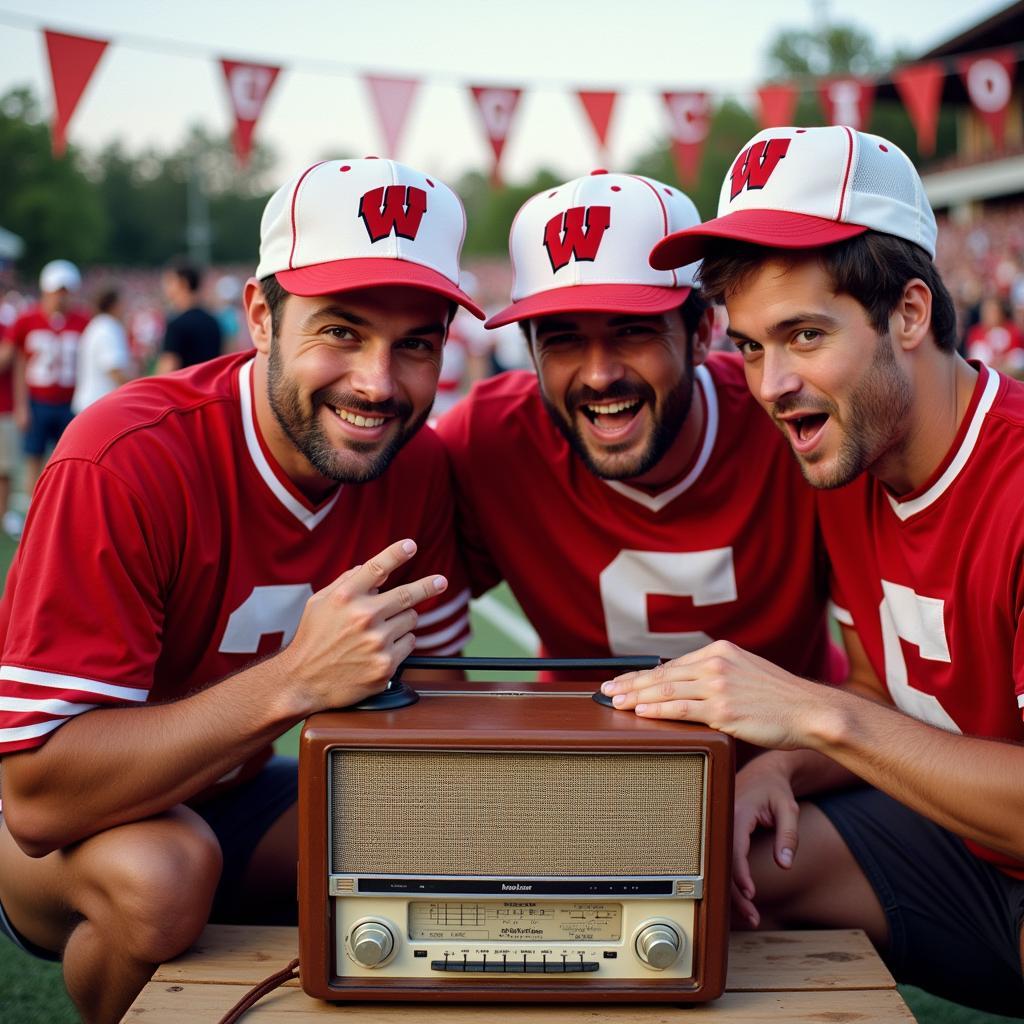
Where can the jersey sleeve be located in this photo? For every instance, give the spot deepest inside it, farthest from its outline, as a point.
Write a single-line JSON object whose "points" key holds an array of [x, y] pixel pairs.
{"points": [[455, 430], [81, 617]]}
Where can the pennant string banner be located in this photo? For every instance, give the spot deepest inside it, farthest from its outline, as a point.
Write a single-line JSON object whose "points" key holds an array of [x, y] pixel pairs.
{"points": [[987, 75]]}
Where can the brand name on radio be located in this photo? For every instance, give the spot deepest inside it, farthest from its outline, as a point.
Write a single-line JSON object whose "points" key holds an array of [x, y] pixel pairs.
{"points": [[505, 887]]}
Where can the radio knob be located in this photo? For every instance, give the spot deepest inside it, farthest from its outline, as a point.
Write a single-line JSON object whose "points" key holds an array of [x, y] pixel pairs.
{"points": [[372, 943], [658, 946]]}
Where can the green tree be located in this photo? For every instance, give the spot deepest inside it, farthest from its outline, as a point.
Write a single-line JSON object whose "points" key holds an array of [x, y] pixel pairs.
{"points": [[490, 210], [46, 200]]}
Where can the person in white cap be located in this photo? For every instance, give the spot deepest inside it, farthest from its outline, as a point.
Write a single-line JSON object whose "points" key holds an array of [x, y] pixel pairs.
{"points": [[212, 556], [45, 349], [649, 490], [822, 252]]}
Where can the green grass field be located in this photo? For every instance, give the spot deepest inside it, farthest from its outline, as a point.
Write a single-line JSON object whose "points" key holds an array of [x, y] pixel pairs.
{"points": [[32, 992]]}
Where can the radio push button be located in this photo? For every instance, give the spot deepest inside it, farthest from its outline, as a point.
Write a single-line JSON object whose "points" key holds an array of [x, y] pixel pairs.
{"points": [[372, 943], [658, 946]]}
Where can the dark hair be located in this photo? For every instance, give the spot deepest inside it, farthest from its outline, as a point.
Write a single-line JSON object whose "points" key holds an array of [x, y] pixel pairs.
{"points": [[692, 310], [872, 268], [188, 272], [274, 295], [107, 299]]}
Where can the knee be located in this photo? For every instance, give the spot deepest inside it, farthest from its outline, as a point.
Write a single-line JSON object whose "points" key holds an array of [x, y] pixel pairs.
{"points": [[161, 889]]}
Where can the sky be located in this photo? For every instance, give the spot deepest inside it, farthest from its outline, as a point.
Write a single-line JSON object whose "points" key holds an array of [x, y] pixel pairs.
{"points": [[161, 72]]}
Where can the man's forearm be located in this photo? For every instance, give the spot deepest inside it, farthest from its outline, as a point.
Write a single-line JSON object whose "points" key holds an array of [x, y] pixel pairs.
{"points": [[114, 765], [974, 787]]}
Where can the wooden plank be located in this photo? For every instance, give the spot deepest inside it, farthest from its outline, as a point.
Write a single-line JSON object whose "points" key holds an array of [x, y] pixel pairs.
{"points": [[758, 961], [161, 1003]]}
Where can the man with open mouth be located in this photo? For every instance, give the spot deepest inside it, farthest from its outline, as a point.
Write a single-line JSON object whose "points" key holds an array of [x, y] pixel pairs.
{"points": [[630, 491], [893, 803]]}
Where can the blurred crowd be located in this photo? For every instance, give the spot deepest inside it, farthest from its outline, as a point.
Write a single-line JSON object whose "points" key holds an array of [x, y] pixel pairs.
{"points": [[981, 259]]}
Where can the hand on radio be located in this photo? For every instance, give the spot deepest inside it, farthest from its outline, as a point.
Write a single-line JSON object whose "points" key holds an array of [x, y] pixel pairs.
{"points": [[764, 799], [725, 687], [352, 636]]}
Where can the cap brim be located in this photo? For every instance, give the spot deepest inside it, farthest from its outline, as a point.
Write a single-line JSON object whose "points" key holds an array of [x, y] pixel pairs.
{"points": [[593, 298], [372, 272], [776, 229]]}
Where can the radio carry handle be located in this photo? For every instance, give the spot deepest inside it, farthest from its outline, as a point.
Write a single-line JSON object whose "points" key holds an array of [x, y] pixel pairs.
{"points": [[398, 694]]}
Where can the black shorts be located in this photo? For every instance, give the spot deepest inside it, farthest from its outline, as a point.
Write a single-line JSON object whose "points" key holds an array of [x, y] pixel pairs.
{"points": [[239, 818], [954, 920]]}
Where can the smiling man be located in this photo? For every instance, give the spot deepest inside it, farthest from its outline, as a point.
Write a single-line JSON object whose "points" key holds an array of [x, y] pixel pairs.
{"points": [[822, 253], [630, 491], [211, 556]]}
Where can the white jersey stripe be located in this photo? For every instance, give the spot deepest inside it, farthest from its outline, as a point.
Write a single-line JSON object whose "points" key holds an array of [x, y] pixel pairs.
{"points": [[431, 640], [840, 614], [58, 681], [28, 732], [43, 707], [445, 611], [451, 649], [1020, 700], [311, 520]]}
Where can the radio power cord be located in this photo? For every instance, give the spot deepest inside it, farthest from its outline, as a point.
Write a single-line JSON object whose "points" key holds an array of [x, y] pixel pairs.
{"points": [[257, 992]]}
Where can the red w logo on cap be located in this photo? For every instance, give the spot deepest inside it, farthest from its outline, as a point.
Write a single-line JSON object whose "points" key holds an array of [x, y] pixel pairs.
{"points": [[755, 164], [397, 208], [576, 233]]}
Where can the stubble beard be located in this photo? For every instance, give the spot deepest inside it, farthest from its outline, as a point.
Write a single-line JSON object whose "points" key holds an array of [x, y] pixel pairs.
{"points": [[367, 460]]}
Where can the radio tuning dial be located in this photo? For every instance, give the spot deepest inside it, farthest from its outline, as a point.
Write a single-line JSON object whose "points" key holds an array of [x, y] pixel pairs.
{"points": [[658, 946], [372, 943]]}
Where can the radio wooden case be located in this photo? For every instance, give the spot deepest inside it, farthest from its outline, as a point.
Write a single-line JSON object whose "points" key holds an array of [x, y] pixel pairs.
{"points": [[513, 843]]}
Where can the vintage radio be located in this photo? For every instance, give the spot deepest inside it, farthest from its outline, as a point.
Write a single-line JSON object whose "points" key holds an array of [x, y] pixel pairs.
{"points": [[513, 842]]}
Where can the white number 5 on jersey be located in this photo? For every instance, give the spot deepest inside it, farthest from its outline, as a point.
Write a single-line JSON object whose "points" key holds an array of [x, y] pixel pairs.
{"points": [[707, 577]]}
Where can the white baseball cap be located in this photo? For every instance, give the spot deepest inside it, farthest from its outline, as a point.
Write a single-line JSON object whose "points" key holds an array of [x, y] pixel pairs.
{"points": [[802, 188], [59, 274], [347, 224], [584, 246]]}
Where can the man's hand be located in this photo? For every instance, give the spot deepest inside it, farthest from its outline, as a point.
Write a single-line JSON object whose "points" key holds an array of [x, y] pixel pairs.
{"points": [[352, 637], [727, 688]]}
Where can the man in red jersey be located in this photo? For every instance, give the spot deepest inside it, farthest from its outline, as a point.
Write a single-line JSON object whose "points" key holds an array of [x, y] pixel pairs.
{"points": [[45, 339], [630, 491], [213, 556], [822, 253]]}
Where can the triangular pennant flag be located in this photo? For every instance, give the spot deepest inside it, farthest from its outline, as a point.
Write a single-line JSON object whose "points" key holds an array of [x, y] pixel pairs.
{"points": [[248, 88], [73, 59], [777, 104], [392, 99], [848, 101], [598, 107], [497, 107], [989, 82], [689, 123], [920, 88]]}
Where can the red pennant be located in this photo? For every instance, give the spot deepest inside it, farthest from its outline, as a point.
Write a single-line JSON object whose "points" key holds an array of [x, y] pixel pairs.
{"points": [[920, 88], [777, 105], [689, 123], [392, 99], [73, 59], [497, 107], [598, 107], [989, 82], [848, 101], [248, 88]]}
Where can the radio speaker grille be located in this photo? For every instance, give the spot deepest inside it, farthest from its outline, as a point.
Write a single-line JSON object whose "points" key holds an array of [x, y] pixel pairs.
{"points": [[505, 814]]}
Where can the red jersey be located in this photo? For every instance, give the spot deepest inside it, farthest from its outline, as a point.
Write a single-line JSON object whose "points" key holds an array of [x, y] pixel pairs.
{"points": [[933, 582], [165, 549], [730, 551], [50, 348]]}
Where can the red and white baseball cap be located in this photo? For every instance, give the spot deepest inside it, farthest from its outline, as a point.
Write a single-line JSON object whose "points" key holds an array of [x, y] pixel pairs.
{"points": [[59, 275], [584, 246], [802, 188], [347, 224]]}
